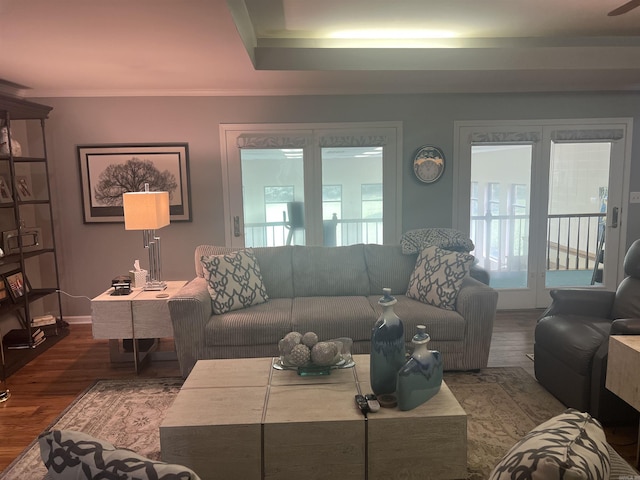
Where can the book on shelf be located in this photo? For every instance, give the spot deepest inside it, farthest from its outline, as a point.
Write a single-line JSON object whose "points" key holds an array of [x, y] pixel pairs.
{"points": [[50, 330], [19, 338], [41, 320]]}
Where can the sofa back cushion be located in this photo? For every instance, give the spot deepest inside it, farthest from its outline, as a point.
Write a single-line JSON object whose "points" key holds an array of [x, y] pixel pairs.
{"points": [[329, 271], [274, 263], [388, 267]]}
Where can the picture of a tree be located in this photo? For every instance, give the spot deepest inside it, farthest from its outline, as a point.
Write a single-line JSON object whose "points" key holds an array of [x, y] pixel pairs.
{"points": [[131, 176]]}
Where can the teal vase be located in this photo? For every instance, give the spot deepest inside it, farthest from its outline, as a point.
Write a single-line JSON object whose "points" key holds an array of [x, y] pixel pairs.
{"points": [[387, 347], [421, 377]]}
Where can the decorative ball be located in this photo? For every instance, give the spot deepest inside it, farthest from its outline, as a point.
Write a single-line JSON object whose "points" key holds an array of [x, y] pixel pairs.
{"points": [[300, 355], [324, 353], [290, 340], [310, 339]]}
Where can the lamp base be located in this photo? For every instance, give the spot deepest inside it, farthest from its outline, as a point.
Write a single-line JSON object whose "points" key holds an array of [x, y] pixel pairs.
{"points": [[154, 286]]}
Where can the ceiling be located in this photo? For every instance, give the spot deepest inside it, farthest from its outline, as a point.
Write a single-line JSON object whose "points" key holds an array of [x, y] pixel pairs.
{"points": [[290, 47]]}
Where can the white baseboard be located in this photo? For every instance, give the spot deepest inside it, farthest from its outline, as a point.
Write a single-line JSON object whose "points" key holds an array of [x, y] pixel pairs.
{"points": [[78, 319]]}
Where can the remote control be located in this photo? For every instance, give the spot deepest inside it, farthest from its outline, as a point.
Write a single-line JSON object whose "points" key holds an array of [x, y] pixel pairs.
{"points": [[372, 402], [362, 404]]}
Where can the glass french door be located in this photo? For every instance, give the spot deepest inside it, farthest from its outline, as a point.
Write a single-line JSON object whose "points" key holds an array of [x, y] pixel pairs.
{"points": [[541, 202], [323, 185]]}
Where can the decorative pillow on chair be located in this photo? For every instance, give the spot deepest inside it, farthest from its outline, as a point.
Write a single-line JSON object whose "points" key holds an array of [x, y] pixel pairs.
{"points": [[437, 276], [234, 281], [72, 455], [571, 445]]}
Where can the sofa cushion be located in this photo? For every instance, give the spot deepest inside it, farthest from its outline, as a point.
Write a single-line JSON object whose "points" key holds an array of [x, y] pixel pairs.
{"points": [[571, 445], [586, 334], [234, 281], [437, 276], [263, 324], [333, 317], [627, 301], [276, 268], [72, 455], [388, 267], [329, 271]]}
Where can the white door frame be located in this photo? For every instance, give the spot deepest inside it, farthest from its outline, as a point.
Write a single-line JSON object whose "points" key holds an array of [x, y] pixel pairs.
{"points": [[619, 176]]}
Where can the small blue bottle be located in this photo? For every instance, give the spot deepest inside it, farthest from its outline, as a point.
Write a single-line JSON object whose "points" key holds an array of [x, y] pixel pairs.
{"points": [[421, 377], [387, 347]]}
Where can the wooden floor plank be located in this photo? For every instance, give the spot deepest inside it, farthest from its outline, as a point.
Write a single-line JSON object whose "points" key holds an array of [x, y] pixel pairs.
{"points": [[46, 386]]}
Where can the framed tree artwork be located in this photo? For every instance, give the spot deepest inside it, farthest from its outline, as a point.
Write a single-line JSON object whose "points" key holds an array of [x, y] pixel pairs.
{"points": [[108, 171]]}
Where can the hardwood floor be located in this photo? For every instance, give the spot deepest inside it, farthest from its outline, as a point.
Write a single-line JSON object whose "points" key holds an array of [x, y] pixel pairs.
{"points": [[41, 390]]}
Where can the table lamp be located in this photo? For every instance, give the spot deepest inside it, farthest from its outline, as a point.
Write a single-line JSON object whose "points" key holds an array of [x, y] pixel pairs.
{"points": [[148, 211]]}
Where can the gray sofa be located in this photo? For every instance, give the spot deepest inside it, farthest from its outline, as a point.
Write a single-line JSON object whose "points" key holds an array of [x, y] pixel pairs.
{"points": [[332, 291]]}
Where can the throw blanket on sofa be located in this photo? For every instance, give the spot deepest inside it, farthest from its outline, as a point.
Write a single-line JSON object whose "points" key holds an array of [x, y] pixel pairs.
{"points": [[414, 241]]}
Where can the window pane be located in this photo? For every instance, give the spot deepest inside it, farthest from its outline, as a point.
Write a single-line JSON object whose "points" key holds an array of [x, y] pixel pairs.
{"points": [[358, 171], [272, 195], [500, 187], [331, 202], [578, 191]]}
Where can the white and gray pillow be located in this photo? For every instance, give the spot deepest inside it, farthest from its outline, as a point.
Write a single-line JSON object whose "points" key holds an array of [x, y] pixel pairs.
{"points": [[68, 455], [437, 277], [233, 280], [570, 445]]}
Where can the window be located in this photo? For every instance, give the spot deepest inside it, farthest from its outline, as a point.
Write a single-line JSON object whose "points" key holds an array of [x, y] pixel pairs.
{"points": [[494, 224], [342, 177], [276, 200], [331, 202]]}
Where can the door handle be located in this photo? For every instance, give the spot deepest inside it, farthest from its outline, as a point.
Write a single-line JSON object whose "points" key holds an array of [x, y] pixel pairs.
{"points": [[614, 217], [236, 226]]}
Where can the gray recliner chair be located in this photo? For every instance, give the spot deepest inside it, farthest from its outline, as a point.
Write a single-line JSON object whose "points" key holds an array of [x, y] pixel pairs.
{"points": [[572, 342]]}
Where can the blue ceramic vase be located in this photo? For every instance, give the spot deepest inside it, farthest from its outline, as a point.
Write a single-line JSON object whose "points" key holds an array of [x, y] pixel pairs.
{"points": [[421, 377], [387, 347]]}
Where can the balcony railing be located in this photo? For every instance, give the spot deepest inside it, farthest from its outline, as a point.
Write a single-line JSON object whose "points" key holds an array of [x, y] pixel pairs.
{"points": [[573, 241], [336, 233]]}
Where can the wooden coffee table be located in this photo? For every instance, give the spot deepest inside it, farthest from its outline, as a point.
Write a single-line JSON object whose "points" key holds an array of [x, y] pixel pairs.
{"points": [[241, 418]]}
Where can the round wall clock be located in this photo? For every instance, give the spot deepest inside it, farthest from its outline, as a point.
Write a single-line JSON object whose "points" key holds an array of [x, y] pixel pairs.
{"points": [[428, 164]]}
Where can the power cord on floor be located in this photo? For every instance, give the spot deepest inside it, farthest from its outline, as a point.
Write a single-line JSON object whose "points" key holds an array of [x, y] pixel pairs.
{"points": [[72, 296]]}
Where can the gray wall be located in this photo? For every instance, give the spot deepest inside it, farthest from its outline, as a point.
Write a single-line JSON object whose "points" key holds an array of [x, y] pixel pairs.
{"points": [[90, 255]]}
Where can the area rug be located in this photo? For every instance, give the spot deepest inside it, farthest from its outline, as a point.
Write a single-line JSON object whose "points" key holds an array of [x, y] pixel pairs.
{"points": [[502, 405]]}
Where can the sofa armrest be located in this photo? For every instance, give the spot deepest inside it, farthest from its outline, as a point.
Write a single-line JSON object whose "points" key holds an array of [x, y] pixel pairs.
{"points": [[592, 303], [190, 310], [625, 326], [477, 303]]}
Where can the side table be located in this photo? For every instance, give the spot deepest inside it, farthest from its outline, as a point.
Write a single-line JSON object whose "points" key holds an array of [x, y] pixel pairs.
{"points": [[141, 314], [623, 375]]}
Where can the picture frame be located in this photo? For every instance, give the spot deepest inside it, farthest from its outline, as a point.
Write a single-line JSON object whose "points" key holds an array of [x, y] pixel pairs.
{"points": [[4, 293], [24, 189], [5, 191], [16, 284], [165, 166]]}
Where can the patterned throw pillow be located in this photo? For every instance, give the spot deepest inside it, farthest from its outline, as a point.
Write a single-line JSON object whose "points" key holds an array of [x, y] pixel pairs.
{"points": [[437, 276], [234, 281], [75, 455], [570, 445], [414, 241]]}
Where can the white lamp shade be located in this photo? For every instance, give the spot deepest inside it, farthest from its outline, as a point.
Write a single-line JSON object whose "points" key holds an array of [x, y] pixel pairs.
{"points": [[145, 210]]}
